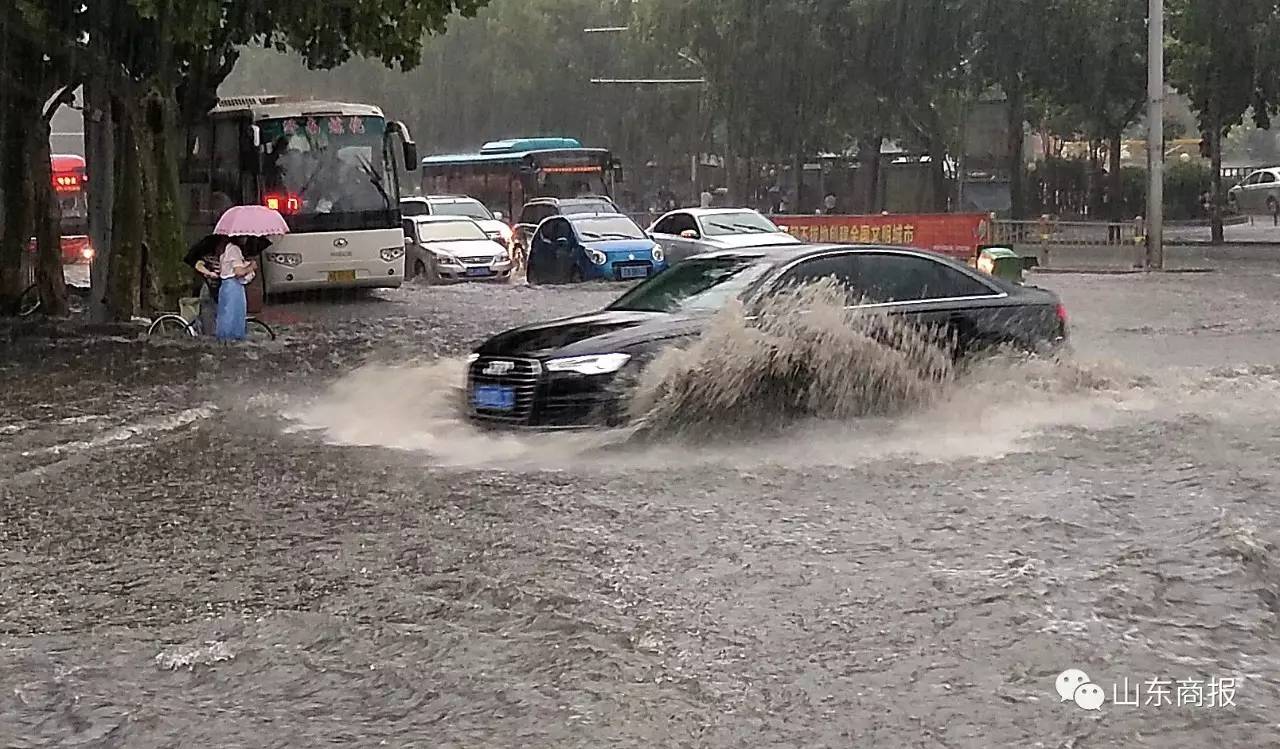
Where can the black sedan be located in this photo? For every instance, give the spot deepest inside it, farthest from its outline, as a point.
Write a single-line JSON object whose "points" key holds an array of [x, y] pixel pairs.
{"points": [[577, 371]]}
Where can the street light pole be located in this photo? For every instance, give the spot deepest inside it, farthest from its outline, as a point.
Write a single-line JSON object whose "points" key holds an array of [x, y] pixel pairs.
{"points": [[1155, 135]]}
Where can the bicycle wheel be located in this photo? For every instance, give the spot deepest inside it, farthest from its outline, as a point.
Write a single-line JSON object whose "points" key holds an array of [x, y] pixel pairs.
{"points": [[29, 301], [257, 330], [171, 326]]}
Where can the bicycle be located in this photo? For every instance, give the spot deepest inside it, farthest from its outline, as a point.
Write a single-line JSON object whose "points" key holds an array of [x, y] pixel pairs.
{"points": [[179, 325], [28, 302]]}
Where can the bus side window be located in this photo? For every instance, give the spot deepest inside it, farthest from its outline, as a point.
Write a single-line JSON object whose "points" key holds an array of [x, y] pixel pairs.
{"points": [[226, 174], [195, 168]]}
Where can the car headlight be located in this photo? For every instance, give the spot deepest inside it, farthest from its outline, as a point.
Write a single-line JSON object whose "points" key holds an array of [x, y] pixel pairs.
{"points": [[392, 253], [284, 258], [590, 365], [472, 358], [596, 256], [658, 253], [501, 258], [445, 258]]}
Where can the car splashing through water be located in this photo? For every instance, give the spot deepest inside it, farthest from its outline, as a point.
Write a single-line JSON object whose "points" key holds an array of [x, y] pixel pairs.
{"points": [[805, 355]]}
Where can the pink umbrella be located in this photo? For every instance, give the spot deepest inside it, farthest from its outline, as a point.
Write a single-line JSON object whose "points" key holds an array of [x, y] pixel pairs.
{"points": [[251, 221]]}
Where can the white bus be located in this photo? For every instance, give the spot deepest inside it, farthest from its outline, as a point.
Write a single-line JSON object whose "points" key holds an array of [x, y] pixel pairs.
{"points": [[333, 170]]}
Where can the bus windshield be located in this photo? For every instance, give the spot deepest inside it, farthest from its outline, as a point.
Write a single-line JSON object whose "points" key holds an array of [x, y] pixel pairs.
{"points": [[322, 165]]}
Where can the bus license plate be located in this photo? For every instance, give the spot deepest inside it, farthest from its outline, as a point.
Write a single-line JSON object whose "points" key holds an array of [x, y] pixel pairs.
{"points": [[494, 397], [633, 271], [339, 276]]}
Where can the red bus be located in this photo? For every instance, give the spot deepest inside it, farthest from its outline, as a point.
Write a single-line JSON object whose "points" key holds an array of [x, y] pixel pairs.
{"points": [[69, 184]]}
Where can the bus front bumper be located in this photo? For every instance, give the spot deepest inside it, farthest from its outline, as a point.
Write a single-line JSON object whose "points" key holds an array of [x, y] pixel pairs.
{"points": [[333, 275]]}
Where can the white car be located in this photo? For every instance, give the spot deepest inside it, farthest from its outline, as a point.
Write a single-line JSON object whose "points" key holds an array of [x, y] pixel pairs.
{"points": [[690, 231], [458, 205], [452, 248]]}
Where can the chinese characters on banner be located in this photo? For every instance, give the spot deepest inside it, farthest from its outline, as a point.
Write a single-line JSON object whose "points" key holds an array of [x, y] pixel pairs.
{"points": [[954, 234]]}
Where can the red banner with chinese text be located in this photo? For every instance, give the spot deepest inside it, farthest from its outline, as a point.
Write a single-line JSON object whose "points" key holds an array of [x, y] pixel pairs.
{"points": [[954, 234]]}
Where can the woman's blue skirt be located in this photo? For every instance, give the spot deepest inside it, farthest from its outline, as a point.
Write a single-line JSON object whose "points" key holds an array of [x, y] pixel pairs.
{"points": [[232, 309]]}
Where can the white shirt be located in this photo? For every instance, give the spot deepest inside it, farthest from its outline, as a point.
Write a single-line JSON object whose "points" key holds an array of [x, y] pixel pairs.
{"points": [[231, 258]]}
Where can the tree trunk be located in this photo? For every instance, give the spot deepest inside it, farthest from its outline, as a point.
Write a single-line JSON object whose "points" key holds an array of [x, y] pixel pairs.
{"points": [[99, 141], [47, 215], [17, 203], [124, 267], [166, 245], [1017, 176], [1215, 179], [1116, 177]]}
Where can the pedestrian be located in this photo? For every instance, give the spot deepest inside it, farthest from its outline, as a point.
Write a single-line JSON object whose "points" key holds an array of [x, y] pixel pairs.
{"points": [[829, 204], [235, 273]]}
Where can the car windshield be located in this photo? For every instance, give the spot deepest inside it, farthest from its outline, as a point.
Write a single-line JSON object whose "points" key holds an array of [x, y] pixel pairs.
{"points": [[449, 231], [469, 208], [745, 222], [590, 206], [695, 284], [608, 227]]}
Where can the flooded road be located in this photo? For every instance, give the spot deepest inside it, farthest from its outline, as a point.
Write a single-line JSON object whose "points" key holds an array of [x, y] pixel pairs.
{"points": [[299, 543]]}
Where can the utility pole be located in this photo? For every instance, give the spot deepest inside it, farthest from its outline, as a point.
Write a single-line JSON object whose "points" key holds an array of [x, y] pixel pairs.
{"points": [[1155, 135]]}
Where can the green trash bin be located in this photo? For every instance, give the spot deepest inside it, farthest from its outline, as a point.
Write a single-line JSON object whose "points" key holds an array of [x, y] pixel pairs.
{"points": [[1003, 262]]}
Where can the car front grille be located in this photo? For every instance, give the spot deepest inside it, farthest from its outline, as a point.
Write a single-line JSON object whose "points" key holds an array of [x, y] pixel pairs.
{"points": [[521, 375], [485, 260]]}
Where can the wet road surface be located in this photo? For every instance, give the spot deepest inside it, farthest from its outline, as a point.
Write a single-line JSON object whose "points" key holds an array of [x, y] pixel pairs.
{"points": [[297, 544]]}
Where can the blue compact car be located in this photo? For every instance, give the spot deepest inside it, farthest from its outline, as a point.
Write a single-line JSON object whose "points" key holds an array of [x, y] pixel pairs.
{"points": [[592, 247]]}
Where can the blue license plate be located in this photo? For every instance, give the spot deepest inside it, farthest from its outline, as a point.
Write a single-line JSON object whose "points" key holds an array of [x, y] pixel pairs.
{"points": [[633, 271], [479, 272], [494, 397]]}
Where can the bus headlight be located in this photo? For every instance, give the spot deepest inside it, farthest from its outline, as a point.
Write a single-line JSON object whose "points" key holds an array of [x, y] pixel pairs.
{"points": [[590, 365], [290, 259], [658, 254], [392, 253], [596, 256]]}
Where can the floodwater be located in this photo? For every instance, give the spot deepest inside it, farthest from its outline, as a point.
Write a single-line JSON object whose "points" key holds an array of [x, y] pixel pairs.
{"points": [[300, 543]]}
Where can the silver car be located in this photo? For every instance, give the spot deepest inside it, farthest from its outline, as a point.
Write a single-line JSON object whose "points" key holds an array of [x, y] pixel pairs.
{"points": [[690, 231], [1258, 194], [452, 248]]}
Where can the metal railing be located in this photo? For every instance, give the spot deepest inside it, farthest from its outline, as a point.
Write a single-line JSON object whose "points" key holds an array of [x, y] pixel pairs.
{"points": [[1040, 237]]}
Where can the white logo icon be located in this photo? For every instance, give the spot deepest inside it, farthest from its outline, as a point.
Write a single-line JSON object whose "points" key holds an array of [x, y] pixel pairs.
{"points": [[1073, 685], [1089, 696]]}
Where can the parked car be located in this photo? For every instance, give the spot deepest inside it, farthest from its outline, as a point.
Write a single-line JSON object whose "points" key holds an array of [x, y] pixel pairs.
{"points": [[1259, 193], [577, 371], [592, 247], [540, 209], [452, 248], [692, 231], [458, 205]]}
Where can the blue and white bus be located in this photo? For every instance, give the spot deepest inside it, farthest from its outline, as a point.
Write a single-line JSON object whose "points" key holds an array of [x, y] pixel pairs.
{"points": [[506, 173]]}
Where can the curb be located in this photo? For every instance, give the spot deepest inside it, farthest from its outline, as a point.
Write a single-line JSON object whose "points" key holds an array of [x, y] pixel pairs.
{"points": [[1119, 271]]}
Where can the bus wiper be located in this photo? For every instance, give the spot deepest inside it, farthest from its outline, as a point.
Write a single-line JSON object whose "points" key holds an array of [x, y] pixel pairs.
{"points": [[374, 178]]}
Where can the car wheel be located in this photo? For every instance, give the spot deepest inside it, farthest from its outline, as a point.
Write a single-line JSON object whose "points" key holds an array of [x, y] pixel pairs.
{"points": [[1272, 206], [419, 270]]}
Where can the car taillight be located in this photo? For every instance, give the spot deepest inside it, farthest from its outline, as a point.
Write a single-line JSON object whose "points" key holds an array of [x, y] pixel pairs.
{"points": [[1062, 315], [284, 204]]}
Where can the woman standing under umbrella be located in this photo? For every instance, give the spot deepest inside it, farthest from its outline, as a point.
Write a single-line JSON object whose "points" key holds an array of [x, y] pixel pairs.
{"points": [[236, 273]]}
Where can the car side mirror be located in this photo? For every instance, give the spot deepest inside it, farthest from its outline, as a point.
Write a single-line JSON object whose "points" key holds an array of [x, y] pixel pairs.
{"points": [[689, 234], [408, 241], [498, 215]]}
